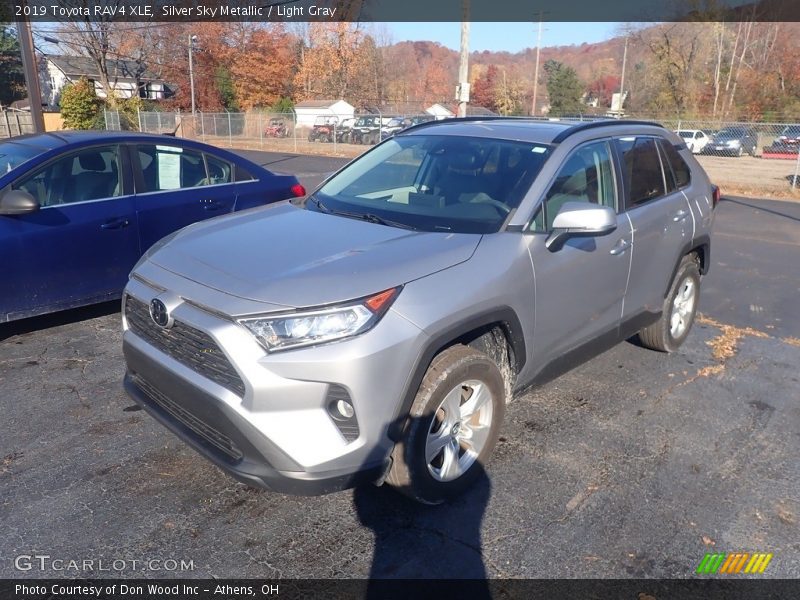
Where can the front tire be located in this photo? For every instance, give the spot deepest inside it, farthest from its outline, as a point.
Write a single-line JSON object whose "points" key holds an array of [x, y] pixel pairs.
{"points": [[679, 310], [454, 425]]}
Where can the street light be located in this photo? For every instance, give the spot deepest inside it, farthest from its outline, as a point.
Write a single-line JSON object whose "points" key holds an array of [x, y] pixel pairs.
{"points": [[192, 40]]}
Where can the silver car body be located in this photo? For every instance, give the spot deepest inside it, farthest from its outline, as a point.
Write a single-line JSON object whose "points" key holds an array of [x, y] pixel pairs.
{"points": [[266, 417]]}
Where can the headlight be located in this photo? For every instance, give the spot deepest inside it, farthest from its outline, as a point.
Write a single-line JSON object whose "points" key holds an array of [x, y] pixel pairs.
{"points": [[306, 328], [735, 143]]}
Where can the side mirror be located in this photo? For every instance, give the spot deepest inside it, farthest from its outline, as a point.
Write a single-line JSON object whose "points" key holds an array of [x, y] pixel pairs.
{"points": [[17, 202], [580, 219]]}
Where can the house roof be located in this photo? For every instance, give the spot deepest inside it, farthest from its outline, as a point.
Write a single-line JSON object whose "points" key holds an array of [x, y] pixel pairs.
{"points": [[83, 66], [318, 103]]}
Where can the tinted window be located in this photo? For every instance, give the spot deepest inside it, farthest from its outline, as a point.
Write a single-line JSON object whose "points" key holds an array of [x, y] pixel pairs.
{"points": [[219, 171], [642, 169], [90, 174], [243, 174], [587, 176], [171, 168], [678, 169], [437, 183]]}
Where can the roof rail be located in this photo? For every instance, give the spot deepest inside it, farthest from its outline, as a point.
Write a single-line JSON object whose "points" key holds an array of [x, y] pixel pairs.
{"points": [[593, 124], [471, 119], [576, 127]]}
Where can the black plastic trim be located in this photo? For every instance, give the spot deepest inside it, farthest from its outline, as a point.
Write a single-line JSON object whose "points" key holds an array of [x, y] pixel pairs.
{"points": [[595, 124], [504, 316], [704, 242]]}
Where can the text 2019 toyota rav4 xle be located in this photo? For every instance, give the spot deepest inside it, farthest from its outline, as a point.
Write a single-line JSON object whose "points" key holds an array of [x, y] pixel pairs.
{"points": [[376, 330]]}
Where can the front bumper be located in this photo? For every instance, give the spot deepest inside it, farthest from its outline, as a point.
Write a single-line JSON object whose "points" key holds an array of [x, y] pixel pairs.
{"points": [[222, 436], [266, 418]]}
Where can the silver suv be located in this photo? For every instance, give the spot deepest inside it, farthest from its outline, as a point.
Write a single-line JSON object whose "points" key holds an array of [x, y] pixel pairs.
{"points": [[375, 330]]}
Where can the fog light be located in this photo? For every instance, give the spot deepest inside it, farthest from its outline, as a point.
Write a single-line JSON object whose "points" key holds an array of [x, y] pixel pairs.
{"points": [[345, 409]]}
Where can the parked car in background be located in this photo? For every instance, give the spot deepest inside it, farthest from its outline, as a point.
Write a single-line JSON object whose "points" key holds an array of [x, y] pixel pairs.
{"points": [[344, 130], [78, 209], [789, 136], [324, 129], [695, 139], [376, 330], [395, 125], [733, 141]]}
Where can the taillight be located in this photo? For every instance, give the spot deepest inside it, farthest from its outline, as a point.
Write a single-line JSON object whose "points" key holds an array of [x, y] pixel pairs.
{"points": [[297, 190], [715, 195]]}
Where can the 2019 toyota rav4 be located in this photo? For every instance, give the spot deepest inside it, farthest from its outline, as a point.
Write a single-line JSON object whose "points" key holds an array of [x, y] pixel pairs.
{"points": [[375, 330]]}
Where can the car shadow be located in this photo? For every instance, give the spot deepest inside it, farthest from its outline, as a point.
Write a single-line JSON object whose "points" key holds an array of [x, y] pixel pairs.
{"points": [[417, 541], [57, 319], [761, 208]]}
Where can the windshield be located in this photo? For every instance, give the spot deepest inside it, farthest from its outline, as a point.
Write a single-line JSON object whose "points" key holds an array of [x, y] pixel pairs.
{"points": [[394, 123], [14, 154], [686, 134], [435, 183]]}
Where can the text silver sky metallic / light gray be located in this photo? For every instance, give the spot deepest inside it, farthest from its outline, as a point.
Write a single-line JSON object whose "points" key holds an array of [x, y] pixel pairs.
{"points": [[374, 331]]}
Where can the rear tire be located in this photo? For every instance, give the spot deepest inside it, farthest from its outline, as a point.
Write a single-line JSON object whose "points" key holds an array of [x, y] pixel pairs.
{"points": [[679, 310], [454, 423]]}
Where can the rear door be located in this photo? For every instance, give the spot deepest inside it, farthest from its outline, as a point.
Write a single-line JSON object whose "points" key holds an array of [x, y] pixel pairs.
{"points": [[580, 287], [177, 186], [662, 223], [82, 242]]}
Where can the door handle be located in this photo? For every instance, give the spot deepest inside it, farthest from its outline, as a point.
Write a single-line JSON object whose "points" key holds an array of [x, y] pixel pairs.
{"points": [[211, 205], [680, 215], [115, 224], [620, 247]]}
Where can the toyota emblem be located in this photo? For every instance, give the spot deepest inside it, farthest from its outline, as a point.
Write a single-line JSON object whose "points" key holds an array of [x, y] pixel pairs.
{"points": [[159, 313]]}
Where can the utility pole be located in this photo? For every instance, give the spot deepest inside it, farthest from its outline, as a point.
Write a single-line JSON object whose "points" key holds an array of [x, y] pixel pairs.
{"points": [[622, 77], [463, 67], [192, 38], [536, 69], [25, 38]]}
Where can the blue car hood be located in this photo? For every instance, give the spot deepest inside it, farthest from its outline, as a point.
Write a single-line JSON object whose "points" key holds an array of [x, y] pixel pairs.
{"points": [[284, 255]]}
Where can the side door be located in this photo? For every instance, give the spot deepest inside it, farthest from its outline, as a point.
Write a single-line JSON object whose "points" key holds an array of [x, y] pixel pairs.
{"points": [[82, 242], [579, 287], [662, 224], [176, 187]]}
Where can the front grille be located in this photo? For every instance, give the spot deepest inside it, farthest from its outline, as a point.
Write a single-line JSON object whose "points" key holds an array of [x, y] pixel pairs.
{"points": [[207, 434], [189, 346]]}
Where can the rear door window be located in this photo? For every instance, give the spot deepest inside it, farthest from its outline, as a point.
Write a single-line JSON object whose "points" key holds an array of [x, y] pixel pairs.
{"points": [[171, 168], [641, 165], [676, 170]]}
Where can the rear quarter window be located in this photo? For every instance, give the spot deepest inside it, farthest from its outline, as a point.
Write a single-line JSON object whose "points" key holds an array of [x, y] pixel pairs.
{"points": [[677, 169]]}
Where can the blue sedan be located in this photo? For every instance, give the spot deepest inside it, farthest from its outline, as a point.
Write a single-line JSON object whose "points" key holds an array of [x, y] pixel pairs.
{"points": [[78, 209]]}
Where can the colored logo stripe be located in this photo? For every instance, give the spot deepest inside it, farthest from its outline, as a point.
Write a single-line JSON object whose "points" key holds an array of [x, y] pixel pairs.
{"points": [[733, 563]]}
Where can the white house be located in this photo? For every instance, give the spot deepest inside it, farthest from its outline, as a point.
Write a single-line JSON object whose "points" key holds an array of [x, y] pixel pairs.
{"points": [[439, 112], [308, 110], [127, 78]]}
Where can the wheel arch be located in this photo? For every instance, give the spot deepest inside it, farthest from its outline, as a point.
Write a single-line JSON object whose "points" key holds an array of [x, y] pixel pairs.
{"points": [[701, 246], [477, 331]]}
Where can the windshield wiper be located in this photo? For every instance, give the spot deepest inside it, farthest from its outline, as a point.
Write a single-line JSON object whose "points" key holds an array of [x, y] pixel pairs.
{"points": [[372, 218]]}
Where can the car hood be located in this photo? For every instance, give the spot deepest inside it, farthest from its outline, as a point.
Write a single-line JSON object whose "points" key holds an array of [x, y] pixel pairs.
{"points": [[288, 256]]}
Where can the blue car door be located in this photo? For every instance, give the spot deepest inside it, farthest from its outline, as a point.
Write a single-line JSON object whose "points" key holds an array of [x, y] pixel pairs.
{"points": [[176, 186], [82, 242]]}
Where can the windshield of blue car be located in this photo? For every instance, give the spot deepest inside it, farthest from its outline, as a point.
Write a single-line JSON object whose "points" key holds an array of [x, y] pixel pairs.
{"points": [[435, 183], [13, 154]]}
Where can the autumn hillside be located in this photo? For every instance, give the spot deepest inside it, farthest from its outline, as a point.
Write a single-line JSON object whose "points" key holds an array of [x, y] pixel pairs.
{"points": [[746, 70]]}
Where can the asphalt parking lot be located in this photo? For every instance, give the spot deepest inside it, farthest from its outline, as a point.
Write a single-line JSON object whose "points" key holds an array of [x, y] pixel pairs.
{"points": [[634, 465]]}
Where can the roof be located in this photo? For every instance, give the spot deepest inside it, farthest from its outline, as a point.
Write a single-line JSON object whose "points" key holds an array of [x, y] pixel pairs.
{"points": [[515, 128], [83, 66], [318, 103]]}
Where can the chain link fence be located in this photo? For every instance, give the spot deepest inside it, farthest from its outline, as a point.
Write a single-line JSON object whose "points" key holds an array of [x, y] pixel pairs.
{"points": [[766, 149]]}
